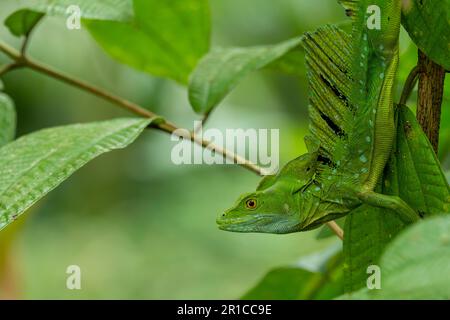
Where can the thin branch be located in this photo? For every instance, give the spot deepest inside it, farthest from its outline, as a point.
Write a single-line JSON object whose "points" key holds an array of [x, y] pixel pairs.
{"points": [[138, 110], [410, 84], [8, 67], [10, 51], [125, 104], [336, 229], [172, 129]]}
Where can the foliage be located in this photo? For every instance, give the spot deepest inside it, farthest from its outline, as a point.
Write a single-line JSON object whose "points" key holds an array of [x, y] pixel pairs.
{"points": [[151, 42], [416, 264], [318, 276], [428, 24], [115, 10], [21, 22], [222, 69], [7, 119], [171, 39], [413, 164], [35, 164]]}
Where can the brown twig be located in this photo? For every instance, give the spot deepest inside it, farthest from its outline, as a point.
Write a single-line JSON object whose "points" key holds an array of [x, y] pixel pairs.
{"points": [[8, 67]]}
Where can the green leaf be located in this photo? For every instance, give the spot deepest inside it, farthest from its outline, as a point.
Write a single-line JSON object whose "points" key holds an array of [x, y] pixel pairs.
{"points": [[21, 22], [422, 184], [414, 174], [318, 276], [280, 284], [428, 24], [35, 164], [166, 39], [222, 69], [367, 232], [115, 10], [7, 120], [416, 265]]}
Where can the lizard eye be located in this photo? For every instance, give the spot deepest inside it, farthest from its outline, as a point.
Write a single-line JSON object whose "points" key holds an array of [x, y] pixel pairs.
{"points": [[251, 204]]}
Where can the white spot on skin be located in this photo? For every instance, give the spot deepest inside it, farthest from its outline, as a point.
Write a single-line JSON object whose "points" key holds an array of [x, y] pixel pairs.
{"points": [[368, 139], [363, 158], [364, 170], [382, 75], [286, 207]]}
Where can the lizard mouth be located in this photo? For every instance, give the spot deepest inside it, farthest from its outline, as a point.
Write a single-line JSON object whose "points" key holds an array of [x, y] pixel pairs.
{"points": [[256, 223], [239, 224], [224, 222]]}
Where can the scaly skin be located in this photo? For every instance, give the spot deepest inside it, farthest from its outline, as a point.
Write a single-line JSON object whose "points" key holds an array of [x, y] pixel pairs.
{"points": [[352, 133], [384, 48]]}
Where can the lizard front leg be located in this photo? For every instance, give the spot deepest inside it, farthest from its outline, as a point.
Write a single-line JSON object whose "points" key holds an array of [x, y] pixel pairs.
{"points": [[405, 212]]}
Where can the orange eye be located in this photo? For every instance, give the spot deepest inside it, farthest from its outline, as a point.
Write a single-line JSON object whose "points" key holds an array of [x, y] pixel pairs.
{"points": [[251, 204]]}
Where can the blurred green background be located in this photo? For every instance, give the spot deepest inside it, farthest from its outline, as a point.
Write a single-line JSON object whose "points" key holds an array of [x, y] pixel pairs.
{"points": [[137, 225]]}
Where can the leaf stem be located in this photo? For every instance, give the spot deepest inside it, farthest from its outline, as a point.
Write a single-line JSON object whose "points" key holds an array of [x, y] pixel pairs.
{"points": [[21, 60], [24, 47], [202, 122]]}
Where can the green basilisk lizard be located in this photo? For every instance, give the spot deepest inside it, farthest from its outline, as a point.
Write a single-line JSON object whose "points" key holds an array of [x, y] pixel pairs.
{"points": [[352, 130]]}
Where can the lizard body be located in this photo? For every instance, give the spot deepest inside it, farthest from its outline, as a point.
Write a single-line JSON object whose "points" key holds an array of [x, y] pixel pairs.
{"points": [[352, 131]]}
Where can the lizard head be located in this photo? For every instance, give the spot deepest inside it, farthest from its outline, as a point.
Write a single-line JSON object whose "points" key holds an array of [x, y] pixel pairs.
{"points": [[274, 206], [268, 211]]}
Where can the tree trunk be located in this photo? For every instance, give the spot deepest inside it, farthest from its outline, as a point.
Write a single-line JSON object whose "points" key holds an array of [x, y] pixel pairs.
{"points": [[431, 90]]}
